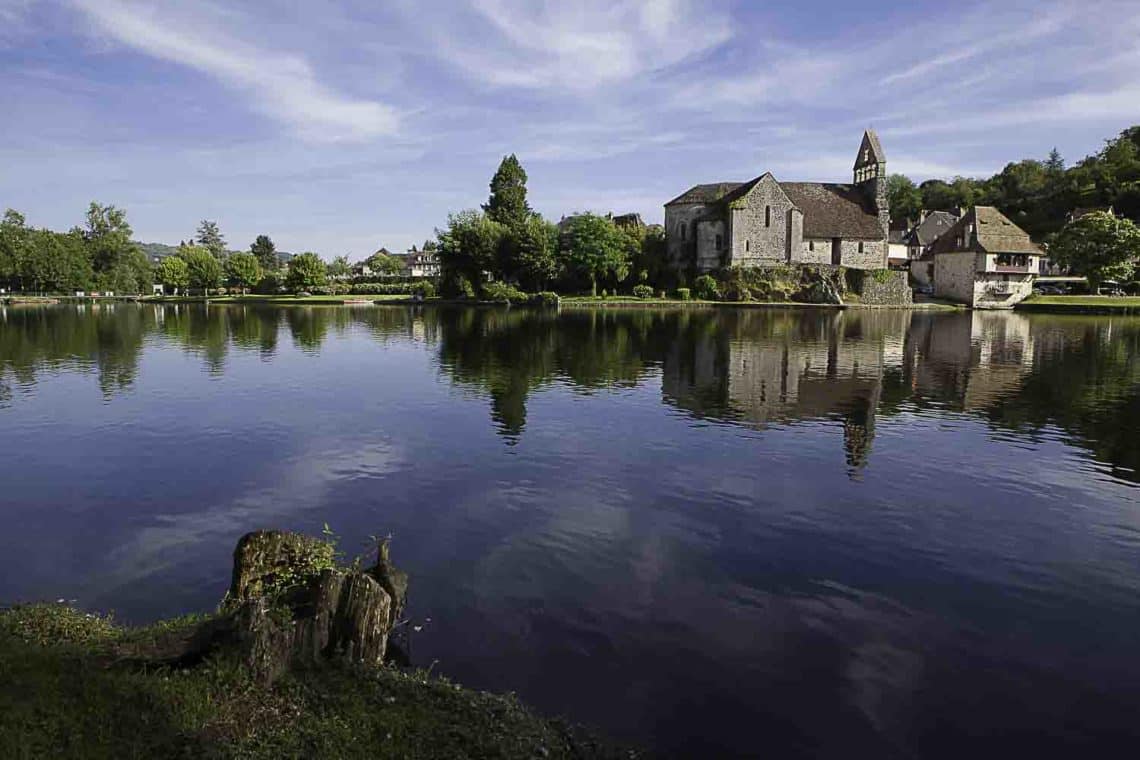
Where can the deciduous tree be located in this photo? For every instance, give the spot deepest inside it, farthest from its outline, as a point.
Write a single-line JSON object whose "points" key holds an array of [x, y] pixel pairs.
{"points": [[1099, 246], [306, 271], [173, 273], [594, 248], [242, 271], [203, 268]]}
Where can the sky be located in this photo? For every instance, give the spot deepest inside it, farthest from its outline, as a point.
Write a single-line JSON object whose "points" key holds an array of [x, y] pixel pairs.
{"points": [[341, 126]]}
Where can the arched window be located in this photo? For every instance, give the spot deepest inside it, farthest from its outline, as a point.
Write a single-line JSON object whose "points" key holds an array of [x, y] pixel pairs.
{"points": [[767, 216]]}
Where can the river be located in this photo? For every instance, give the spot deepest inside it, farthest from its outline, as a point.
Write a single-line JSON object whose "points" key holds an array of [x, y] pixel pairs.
{"points": [[706, 531]]}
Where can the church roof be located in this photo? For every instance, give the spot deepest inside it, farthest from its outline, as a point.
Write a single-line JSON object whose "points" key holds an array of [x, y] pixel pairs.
{"points": [[832, 210], [871, 140], [710, 193]]}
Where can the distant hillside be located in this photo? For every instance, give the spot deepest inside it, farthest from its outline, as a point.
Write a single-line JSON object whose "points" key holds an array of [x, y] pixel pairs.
{"points": [[161, 251]]}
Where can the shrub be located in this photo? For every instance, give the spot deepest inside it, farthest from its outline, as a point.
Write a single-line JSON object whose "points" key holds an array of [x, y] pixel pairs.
{"points": [[684, 294], [642, 291], [546, 299], [269, 285], [503, 292], [388, 288], [707, 288], [423, 289], [881, 276], [605, 293], [1132, 288]]}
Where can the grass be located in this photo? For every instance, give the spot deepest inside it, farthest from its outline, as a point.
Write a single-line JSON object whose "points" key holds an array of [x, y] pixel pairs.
{"points": [[283, 299], [1083, 304], [59, 697]]}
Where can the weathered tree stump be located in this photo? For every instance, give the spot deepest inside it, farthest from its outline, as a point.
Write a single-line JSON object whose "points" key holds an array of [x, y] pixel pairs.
{"points": [[289, 605]]}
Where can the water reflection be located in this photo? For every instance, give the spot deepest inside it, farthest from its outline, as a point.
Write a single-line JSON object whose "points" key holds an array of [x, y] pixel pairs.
{"points": [[749, 367]]}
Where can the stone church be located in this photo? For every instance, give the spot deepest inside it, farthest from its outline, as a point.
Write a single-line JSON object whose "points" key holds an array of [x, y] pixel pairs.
{"points": [[765, 222]]}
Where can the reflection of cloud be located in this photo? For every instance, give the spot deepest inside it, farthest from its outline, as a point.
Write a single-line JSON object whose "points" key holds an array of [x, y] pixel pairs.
{"points": [[295, 485]]}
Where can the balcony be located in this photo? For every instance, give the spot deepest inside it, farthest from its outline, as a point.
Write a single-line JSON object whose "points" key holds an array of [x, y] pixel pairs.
{"points": [[1007, 263]]}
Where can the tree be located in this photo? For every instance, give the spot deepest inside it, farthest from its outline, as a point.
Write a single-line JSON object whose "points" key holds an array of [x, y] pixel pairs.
{"points": [[210, 238], [1099, 246], [108, 237], [382, 263], [203, 268], [1055, 164], [54, 262], [242, 271], [265, 252], [594, 248], [905, 198], [173, 273], [306, 271], [469, 247], [13, 240], [339, 268], [533, 252], [507, 203]]}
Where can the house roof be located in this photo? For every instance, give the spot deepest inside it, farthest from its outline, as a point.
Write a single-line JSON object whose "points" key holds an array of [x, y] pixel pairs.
{"points": [[832, 210], [935, 225], [992, 232], [710, 193]]}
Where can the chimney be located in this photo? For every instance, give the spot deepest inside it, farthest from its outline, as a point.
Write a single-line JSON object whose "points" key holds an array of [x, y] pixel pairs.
{"points": [[922, 216]]}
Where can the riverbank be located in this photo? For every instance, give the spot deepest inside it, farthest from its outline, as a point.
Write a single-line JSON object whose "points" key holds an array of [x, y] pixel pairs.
{"points": [[1081, 305], [62, 696], [283, 300]]}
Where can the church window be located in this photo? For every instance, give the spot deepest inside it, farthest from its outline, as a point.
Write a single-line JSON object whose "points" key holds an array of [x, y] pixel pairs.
{"points": [[719, 242], [811, 245], [860, 246], [767, 216], [747, 245]]}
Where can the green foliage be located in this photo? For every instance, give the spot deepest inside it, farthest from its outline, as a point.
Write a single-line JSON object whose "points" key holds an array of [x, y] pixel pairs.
{"points": [[507, 203], [531, 252], [546, 299], [595, 248], [643, 291], [904, 196], [881, 276], [381, 263], [391, 288], [503, 292], [210, 238], [108, 239], [203, 269], [265, 252], [173, 273], [269, 284], [1099, 246], [242, 271], [339, 267], [48, 625], [423, 289], [684, 294], [306, 271], [706, 288], [470, 246]]}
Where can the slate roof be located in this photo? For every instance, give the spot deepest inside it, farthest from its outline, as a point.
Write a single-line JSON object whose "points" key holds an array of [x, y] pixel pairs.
{"points": [[936, 224], [832, 210], [995, 233]]}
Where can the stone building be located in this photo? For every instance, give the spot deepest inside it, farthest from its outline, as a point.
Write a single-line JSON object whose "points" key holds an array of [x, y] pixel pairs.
{"points": [[765, 222], [984, 261]]}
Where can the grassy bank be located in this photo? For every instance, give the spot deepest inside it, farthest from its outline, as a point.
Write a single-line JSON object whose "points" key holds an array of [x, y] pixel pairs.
{"points": [[1081, 304], [278, 300], [61, 695]]}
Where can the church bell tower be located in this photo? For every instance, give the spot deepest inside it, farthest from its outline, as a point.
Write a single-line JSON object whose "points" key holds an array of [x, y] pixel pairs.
{"points": [[870, 176]]}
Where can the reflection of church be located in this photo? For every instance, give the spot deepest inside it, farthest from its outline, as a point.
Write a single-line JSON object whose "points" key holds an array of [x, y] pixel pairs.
{"points": [[830, 368]]}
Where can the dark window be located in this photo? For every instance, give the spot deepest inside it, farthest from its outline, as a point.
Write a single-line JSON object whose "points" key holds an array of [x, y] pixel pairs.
{"points": [[747, 245], [860, 246], [719, 242], [811, 245], [767, 216]]}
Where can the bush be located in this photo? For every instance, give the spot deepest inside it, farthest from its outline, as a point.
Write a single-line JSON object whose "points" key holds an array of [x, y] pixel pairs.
{"points": [[684, 294], [605, 293], [423, 289], [546, 299], [503, 292], [642, 291], [269, 285], [456, 285], [389, 288], [1132, 288], [332, 289], [707, 288]]}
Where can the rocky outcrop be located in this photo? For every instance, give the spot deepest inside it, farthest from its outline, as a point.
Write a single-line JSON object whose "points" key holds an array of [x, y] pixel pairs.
{"points": [[289, 605]]}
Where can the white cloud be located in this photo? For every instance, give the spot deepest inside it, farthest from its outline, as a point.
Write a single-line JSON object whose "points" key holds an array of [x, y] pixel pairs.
{"points": [[282, 86], [578, 46]]}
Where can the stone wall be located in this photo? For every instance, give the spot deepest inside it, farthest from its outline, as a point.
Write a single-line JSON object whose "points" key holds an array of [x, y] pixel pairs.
{"points": [[883, 287], [873, 255], [997, 291], [710, 256], [815, 252], [922, 271], [761, 224], [680, 250], [954, 276]]}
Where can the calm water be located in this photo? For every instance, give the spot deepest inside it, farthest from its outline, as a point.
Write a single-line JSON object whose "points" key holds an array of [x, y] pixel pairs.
{"points": [[733, 532]]}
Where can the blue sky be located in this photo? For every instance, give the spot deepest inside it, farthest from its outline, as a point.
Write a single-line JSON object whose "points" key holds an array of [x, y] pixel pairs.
{"points": [[343, 125]]}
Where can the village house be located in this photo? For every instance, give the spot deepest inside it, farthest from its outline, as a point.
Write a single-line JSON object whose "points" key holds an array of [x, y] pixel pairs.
{"points": [[766, 222], [984, 261]]}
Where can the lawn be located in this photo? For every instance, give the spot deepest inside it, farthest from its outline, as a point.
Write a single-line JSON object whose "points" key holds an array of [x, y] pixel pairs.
{"points": [[1083, 304]]}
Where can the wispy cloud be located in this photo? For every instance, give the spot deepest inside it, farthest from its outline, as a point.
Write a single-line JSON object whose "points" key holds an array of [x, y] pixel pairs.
{"points": [[576, 46], [284, 87]]}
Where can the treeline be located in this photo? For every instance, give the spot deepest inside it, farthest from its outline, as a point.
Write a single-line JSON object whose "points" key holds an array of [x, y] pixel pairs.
{"points": [[506, 242], [1038, 195]]}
